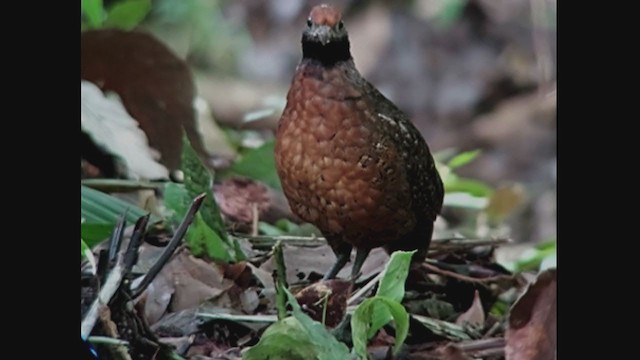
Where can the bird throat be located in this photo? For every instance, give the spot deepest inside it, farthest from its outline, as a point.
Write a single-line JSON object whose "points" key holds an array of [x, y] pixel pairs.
{"points": [[329, 54]]}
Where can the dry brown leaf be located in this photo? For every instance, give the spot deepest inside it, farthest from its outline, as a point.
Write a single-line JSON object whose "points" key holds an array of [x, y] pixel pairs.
{"points": [[108, 123], [157, 297], [302, 261], [190, 280], [532, 331], [238, 196], [155, 86], [474, 316], [329, 294]]}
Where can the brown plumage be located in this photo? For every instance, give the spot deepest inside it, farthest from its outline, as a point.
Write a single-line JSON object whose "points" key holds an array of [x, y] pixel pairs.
{"points": [[349, 160]]}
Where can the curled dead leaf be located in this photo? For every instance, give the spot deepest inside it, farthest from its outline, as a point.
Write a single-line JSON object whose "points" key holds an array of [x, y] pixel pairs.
{"points": [[532, 327], [474, 316]]}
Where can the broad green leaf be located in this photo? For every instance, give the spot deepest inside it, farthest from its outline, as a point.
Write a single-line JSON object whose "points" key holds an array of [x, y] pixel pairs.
{"points": [[127, 14], [374, 313], [94, 11], [176, 199], [297, 337], [362, 327], [285, 339], [394, 275], [198, 180], [463, 158], [98, 207], [203, 240], [259, 164], [94, 234], [200, 237], [101, 212]]}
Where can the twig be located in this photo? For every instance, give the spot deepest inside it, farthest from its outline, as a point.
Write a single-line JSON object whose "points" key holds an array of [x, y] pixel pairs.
{"points": [[492, 330], [110, 287], [265, 241], [105, 340], [116, 238], [454, 275], [315, 241], [458, 243], [482, 344], [240, 318], [171, 247], [280, 281], [255, 218], [131, 255], [447, 329], [368, 286]]}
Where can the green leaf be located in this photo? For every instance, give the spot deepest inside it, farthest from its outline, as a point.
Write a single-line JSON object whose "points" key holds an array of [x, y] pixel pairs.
{"points": [[176, 199], [297, 337], [374, 313], [463, 158], [198, 180], [363, 328], [127, 14], [84, 249], [98, 207], [203, 240], [200, 237], [394, 275], [450, 12], [259, 164], [101, 212], [94, 234], [473, 187], [94, 11]]}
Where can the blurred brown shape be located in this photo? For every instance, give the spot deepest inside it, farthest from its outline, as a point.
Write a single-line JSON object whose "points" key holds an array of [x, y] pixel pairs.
{"points": [[155, 86], [237, 197], [532, 330], [331, 294]]}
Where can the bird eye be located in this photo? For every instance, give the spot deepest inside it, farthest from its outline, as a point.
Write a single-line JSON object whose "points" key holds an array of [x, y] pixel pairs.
{"points": [[309, 23], [340, 25]]}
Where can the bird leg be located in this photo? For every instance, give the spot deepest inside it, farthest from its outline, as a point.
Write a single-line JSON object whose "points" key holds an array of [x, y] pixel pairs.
{"points": [[341, 261], [361, 256]]}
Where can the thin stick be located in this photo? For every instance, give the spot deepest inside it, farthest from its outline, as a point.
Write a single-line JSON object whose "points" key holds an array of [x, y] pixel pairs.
{"points": [[454, 275], [105, 340], [131, 255], [171, 247], [110, 287], [240, 318], [368, 286]]}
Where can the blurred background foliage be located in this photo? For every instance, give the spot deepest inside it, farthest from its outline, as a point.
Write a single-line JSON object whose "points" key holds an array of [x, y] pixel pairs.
{"points": [[477, 77]]}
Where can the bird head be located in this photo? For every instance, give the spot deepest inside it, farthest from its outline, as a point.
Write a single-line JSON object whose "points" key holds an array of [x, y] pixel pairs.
{"points": [[325, 39], [324, 25]]}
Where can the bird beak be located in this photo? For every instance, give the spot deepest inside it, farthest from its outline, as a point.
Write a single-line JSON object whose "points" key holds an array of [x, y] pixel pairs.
{"points": [[321, 33]]}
